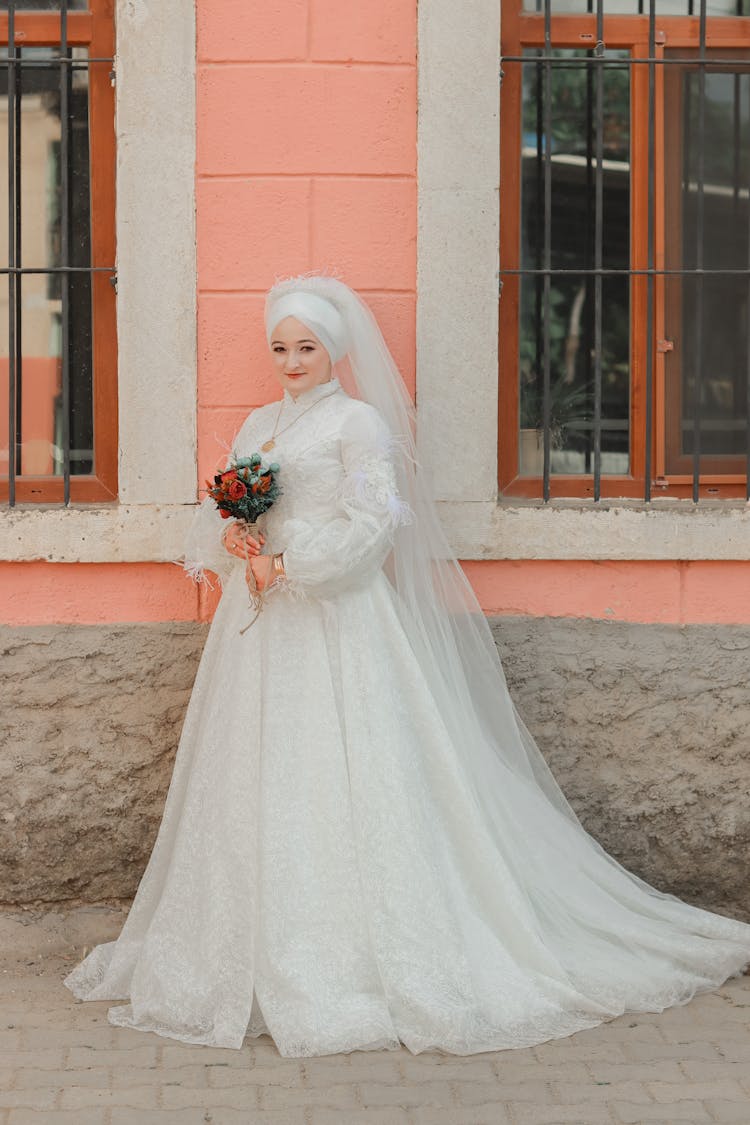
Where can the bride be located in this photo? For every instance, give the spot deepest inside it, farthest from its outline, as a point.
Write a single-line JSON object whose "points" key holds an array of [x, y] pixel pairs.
{"points": [[362, 846]]}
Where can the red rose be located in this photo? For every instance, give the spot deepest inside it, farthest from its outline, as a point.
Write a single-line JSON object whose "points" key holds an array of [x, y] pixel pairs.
{"points": [[237, 490], [224, 515], [230, 475]]}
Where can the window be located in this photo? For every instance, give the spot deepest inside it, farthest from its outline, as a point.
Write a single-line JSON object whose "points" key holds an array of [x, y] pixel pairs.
{"points": [[58, 400], [625, 248]]}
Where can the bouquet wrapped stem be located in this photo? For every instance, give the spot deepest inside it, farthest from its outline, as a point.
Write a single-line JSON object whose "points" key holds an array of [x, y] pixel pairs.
{"points": [[256, 595]]}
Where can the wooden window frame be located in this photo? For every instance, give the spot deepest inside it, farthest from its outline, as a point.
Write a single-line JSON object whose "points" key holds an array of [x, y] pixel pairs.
{"points": [[519, 31], [95, 30]]}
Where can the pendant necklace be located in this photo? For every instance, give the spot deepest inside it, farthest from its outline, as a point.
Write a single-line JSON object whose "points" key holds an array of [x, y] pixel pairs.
{"points": [[277, 433]]}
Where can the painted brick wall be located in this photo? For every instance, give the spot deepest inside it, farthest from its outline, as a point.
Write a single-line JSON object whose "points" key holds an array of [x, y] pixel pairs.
{"points": [[306, 160]]}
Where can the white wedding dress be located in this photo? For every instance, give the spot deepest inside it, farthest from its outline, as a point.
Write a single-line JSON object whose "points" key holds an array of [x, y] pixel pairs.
{"points": [[324, 871]]}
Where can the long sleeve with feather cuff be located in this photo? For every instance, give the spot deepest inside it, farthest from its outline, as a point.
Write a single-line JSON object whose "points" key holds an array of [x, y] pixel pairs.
{"points": [[323, 559], [204, 550]]}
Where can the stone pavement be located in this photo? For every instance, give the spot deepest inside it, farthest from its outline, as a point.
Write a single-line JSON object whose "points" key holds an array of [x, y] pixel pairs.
{"points": [[62, 1062]]}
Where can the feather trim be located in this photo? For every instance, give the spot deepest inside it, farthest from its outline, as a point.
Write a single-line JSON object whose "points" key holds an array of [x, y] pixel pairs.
{"points": [[197, 573], [283, 584], [401, 512]]}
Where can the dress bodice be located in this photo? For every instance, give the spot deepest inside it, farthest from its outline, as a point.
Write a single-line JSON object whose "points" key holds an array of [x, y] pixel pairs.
{"points": [[307, 450], [339, 508]]}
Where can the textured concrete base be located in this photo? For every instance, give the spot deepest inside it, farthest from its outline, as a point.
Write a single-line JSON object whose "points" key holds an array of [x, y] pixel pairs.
{"points": [[89, 729], [645, 728]]}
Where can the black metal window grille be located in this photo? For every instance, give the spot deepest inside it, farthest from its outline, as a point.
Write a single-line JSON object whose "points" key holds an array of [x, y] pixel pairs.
{"points": [[594, 308], [48, 348]]}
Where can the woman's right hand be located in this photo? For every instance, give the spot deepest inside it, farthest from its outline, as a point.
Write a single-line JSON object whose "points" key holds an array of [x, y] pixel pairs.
{"points": [[240, 543]]}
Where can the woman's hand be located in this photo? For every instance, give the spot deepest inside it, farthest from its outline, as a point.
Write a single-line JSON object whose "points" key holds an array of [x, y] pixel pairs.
{"points": [[260, 568], [240, 543]]}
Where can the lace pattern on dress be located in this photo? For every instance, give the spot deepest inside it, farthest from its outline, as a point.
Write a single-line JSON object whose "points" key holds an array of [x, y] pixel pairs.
{"points": [[373, 484]]}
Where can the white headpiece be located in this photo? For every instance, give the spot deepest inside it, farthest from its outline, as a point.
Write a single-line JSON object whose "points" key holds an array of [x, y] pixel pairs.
{"points": [[318, 313]]}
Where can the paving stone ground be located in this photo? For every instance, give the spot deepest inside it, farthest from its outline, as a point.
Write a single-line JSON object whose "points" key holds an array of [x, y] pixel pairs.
{"points": [[62, 1062]]}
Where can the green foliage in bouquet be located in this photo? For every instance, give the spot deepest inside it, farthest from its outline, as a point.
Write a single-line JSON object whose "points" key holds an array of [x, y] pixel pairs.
{"points": [[246, 489]]}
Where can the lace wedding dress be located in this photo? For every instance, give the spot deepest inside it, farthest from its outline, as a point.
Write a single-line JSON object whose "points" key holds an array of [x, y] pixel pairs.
{"points": [[325, 872]]}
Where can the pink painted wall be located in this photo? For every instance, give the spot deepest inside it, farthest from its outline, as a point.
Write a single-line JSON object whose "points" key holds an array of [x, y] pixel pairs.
{"points": [[671, 593], [306, 159]]}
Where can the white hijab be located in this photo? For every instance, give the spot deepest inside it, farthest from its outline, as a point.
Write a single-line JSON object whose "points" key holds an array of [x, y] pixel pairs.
{"points": [[322, 318]]}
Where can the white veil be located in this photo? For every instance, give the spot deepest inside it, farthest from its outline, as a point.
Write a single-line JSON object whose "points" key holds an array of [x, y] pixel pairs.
{"points": [[440, 610], [458, 656]]}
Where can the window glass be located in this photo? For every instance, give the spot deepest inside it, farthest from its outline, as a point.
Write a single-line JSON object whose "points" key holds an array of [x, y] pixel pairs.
{"points": [[572, 242], [707, 227], [44, 5], [39, 381], [641, 7]]}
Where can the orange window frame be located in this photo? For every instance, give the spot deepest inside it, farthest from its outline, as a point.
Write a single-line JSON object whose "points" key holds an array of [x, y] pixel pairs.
{"points": [[95, 30], [522, 30]]}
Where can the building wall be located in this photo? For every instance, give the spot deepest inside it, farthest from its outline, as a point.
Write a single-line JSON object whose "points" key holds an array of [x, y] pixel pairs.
{"points": [[644, 726], [306, 158]]}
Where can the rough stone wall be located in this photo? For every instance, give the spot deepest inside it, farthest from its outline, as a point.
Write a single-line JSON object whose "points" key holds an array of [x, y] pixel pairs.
{"points": [[645, 727], [89, 726]]}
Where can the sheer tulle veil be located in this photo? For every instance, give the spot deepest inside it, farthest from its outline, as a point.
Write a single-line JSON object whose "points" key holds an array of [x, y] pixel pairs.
{"points": [[447, 627], [566, 874]]}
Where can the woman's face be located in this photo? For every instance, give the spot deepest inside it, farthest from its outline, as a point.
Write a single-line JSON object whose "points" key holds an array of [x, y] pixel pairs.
{"points": [[300, 360]]}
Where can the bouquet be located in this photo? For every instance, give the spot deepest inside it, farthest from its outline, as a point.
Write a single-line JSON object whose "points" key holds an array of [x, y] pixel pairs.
{"points": [[245, 490]]}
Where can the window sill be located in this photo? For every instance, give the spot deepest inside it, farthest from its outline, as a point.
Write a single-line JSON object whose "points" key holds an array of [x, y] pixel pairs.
{"points": [[509, 529], [94, 533], [607, 530]]}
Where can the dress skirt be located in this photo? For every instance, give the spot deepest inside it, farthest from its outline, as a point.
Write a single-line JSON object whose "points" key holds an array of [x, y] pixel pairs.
{"points": [[325, 873]]}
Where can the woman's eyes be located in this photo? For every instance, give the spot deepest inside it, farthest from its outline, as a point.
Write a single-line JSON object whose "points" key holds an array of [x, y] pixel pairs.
{"points": [[304, 348]]}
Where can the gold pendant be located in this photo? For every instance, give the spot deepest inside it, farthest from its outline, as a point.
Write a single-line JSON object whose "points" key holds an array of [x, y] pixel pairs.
{"points": [[268, 445]]}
